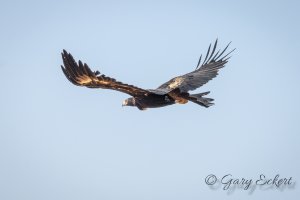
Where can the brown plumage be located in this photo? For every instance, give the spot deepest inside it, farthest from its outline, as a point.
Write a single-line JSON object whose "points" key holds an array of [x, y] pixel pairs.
{"points": [[173, 91]]}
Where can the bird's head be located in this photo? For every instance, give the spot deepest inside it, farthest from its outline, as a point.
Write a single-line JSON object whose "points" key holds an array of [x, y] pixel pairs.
{"points": [[129, 102]]}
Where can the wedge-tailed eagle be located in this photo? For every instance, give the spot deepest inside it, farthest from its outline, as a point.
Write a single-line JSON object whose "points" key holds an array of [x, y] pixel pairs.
{"points": [[174, 91]]}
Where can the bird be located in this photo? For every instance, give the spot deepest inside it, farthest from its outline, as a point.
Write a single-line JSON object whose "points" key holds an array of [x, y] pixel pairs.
{"points": [[174, 91]]}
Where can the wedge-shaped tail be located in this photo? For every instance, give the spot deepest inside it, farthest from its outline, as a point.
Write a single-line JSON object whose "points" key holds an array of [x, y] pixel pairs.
{"points": [[200, 100]]}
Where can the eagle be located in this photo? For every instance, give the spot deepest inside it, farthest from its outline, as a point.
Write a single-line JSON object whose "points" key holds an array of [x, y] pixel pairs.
{"points": [[174, 91]]}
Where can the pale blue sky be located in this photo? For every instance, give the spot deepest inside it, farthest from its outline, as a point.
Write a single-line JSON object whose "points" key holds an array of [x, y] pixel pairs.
{"points": [[58, 141]]}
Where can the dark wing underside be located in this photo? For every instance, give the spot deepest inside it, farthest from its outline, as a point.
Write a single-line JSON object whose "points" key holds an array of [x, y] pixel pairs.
{"points": [[81, 75], [204, 72]]}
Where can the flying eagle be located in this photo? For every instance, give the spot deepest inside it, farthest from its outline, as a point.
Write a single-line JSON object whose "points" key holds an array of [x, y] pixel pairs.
{"points": [[174, 91]]}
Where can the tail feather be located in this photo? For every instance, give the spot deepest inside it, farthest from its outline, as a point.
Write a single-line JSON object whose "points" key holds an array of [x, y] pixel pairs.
{"points": [[200, 100]]}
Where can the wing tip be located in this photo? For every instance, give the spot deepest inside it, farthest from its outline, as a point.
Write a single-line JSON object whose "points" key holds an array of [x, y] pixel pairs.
{"points": [[214, 56], [64, 51]]}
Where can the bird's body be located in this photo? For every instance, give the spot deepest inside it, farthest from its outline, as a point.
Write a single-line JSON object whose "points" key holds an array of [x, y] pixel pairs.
{"points": [[151, 101], [174, 91]]}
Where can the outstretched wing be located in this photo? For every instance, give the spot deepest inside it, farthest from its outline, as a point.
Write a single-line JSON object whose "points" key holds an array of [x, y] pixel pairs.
{"points": [[204, 72], [81, 75]]}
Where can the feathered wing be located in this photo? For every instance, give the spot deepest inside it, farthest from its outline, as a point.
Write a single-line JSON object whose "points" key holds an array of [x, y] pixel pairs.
{"points": [[204, 72], [81, 75]]}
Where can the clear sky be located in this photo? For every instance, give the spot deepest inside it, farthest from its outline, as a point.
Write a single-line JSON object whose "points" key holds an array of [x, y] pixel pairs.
{"points": [[58, 141]]}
